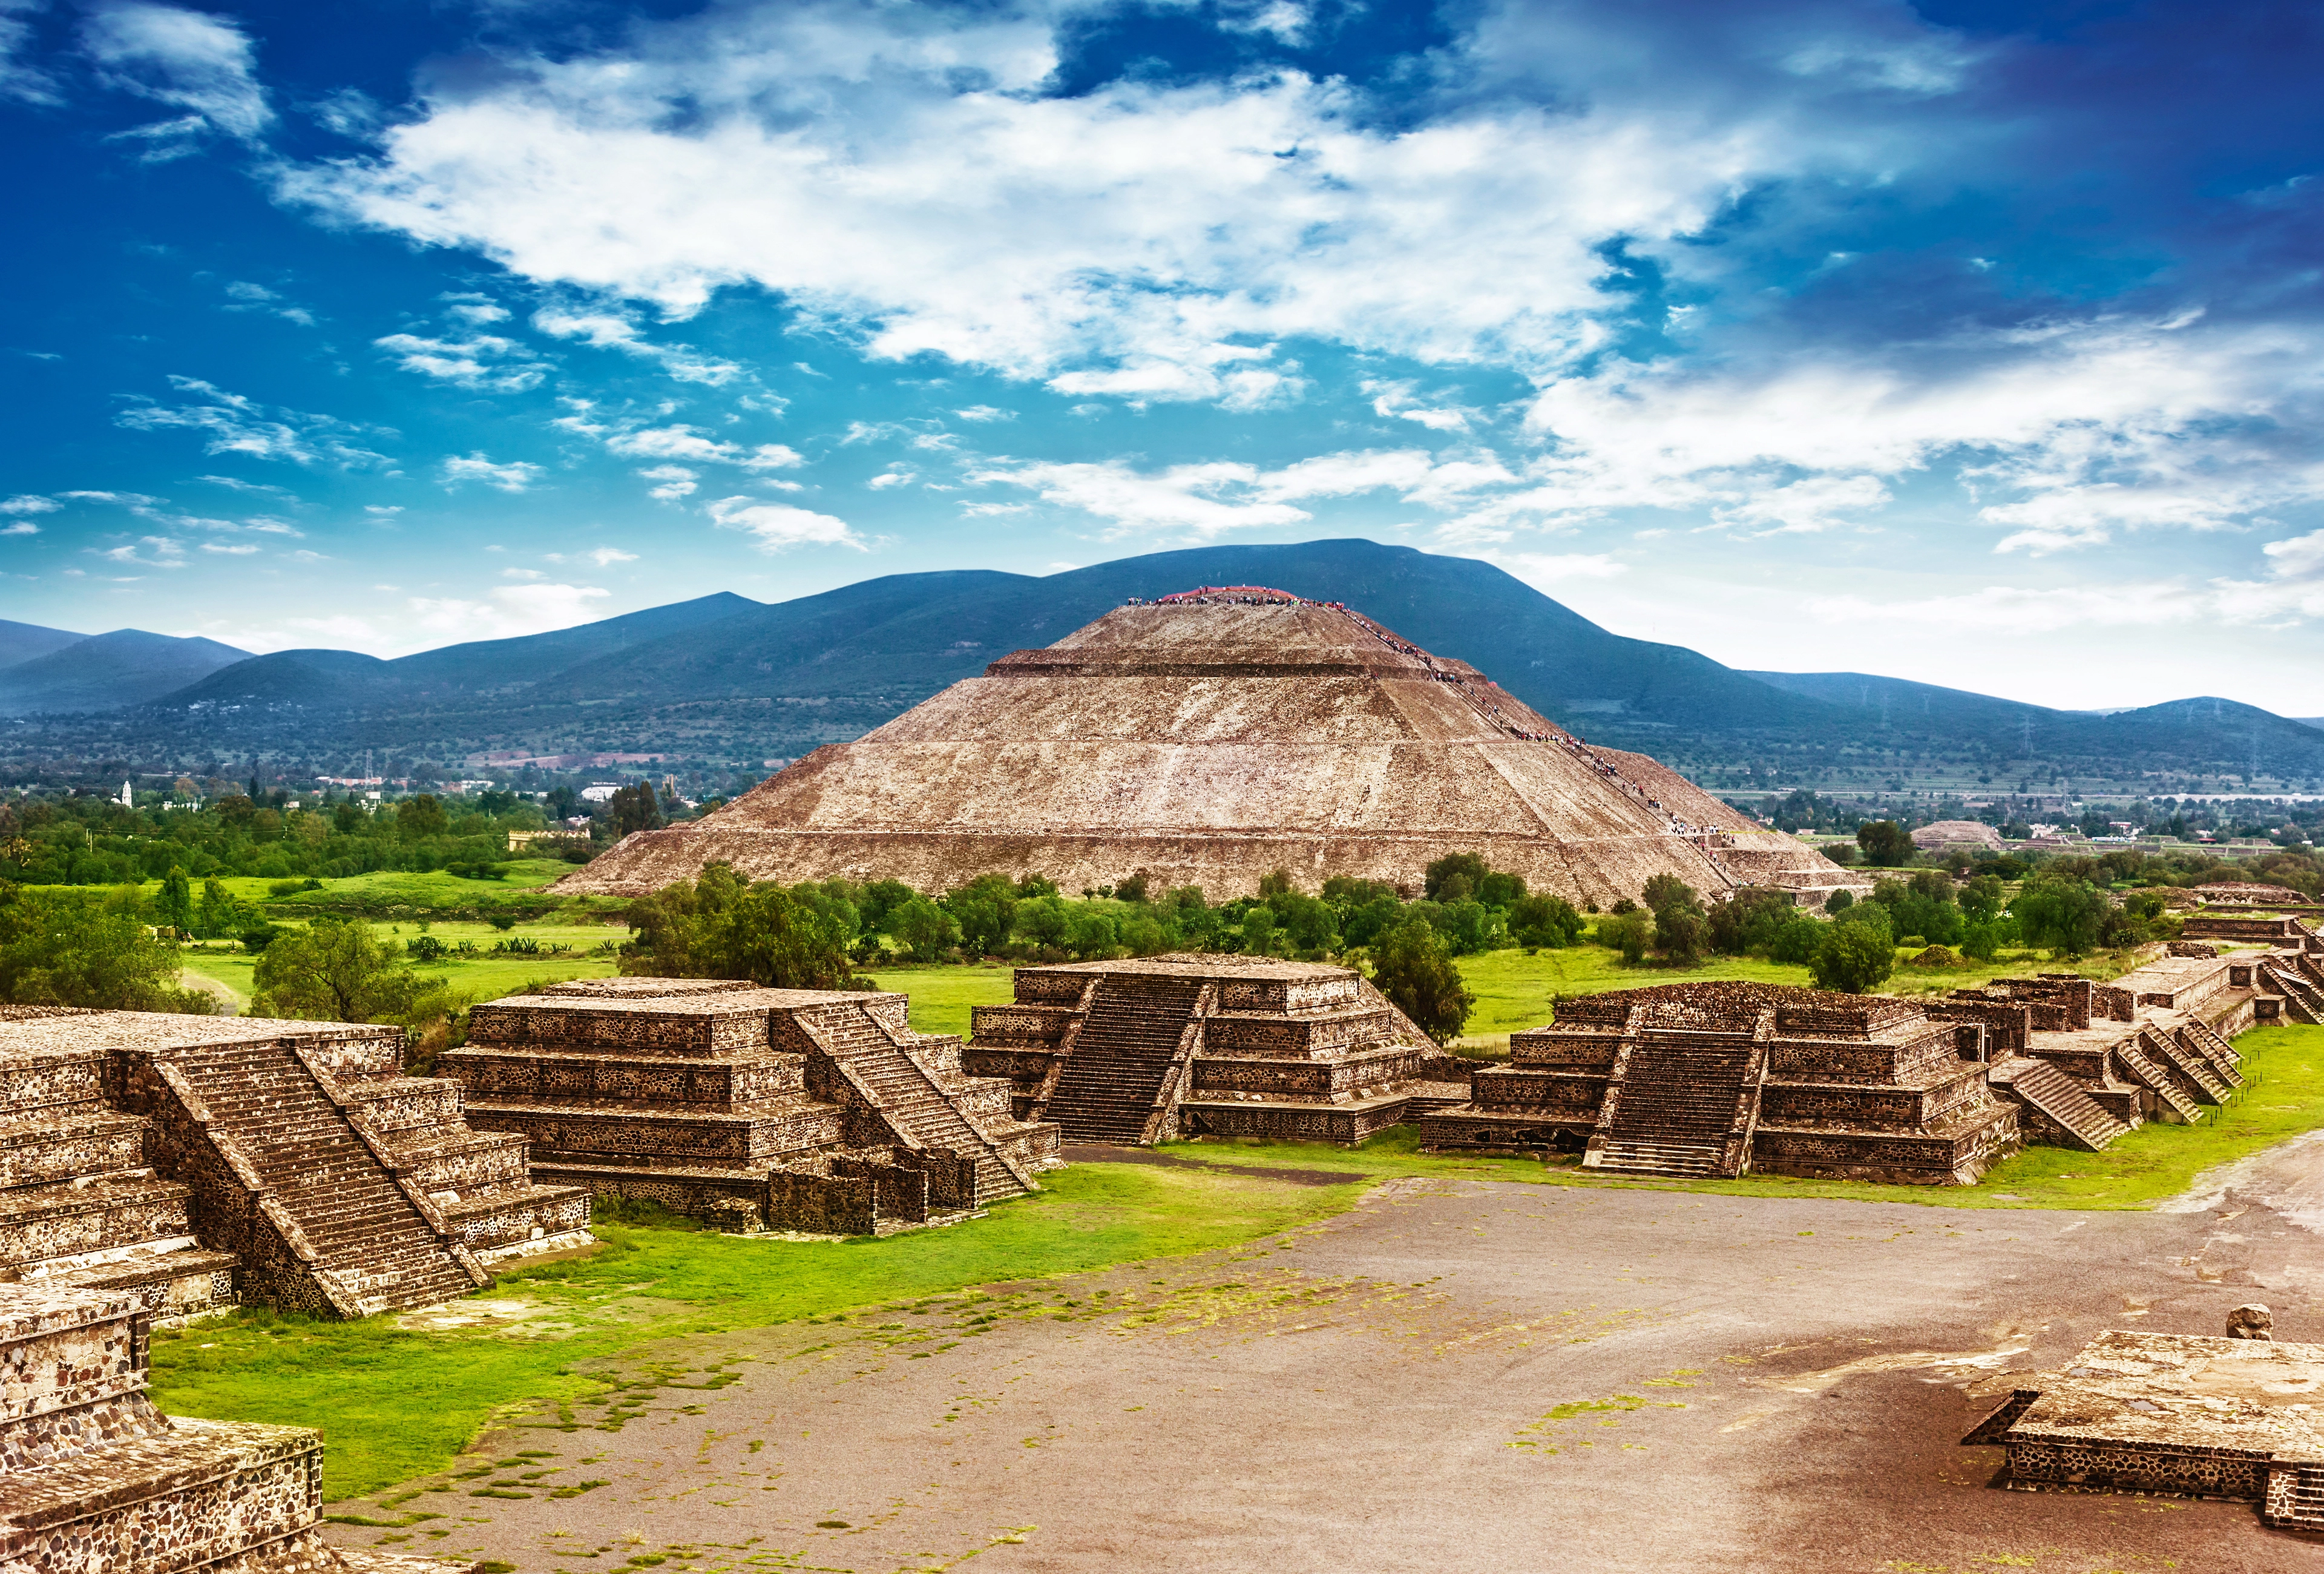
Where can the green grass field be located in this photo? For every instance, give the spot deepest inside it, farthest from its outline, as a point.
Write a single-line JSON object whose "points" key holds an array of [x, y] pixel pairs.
{"points": [[481, 977], [941, 997]]}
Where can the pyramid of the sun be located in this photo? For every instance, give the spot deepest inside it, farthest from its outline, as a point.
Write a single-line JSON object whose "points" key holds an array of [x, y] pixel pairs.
{"points": [[1207, 738]]}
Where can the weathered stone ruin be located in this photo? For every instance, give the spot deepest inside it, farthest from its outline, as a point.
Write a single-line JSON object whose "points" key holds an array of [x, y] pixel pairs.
{"points": [[95, 1480], [190, 1162], [2090, 1061], [755, 1109], [2174, 1414], [1208, 740], [1717, 1078], [1143, 1052]]}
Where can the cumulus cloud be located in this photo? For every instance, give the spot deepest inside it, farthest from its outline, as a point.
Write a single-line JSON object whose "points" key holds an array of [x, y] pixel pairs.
{"points": [[779, 525], [30, 502], [517, 476], [900, 175], [692, 445], [187, 60], [605, 557], [232, 423]]}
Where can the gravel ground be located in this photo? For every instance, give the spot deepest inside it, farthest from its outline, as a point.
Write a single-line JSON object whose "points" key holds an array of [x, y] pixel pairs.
{"points": [[1455, 1377]]}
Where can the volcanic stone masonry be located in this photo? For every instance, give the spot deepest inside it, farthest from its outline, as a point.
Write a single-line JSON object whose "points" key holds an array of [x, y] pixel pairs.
{"points": [[1715, 1078], [2174, 1414], [1147, 1050], [95, 1480], [755, 1109], [192, 1162], [1207, 740]]}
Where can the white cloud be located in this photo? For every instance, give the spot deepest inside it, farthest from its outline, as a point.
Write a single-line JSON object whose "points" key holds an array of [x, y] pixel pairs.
{"points": [[900, 475], [232, 423], [671, 482], [30, 502], [605, 557], [22, 527], [1804, 507], [476, 310], [484, 362], [1547, 571], [985, 412], [19, 78], [1210, 498], [234, 484], [511, 610], [232, 550], [249, 297], [151, 552], [187, 60], [693, 445], [610, 330], [897, 174], [778, 525], [517, 476]]}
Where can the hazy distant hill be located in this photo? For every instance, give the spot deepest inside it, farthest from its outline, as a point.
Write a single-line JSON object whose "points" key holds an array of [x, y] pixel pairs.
{"points": [[21, 642], [727, 681], [105, 672]]}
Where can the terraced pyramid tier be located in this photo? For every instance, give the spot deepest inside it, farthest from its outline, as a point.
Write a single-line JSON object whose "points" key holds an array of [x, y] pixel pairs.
{"points": [[1207, 740], [755, 1109], [1138, 1051]]}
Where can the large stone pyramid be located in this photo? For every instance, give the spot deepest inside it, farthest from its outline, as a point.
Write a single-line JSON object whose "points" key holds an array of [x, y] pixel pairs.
{"points": [[1207, 738]]}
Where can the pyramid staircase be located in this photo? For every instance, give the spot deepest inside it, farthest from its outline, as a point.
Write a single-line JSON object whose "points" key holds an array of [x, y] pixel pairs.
{"points": [[2202, 1038], [1683, 1096], [2156, 1081], [1115, 1082], [362, 1233], [2205, 1083], [2042, 1086], [2303, 1508], [901, 1070]]}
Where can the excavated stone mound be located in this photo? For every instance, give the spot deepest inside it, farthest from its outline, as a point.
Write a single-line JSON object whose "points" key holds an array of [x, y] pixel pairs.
{"points": [[1207, 740]]}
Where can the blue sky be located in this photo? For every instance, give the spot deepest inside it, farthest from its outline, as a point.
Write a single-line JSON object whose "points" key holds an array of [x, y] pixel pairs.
{"points": [[1975, 344]]}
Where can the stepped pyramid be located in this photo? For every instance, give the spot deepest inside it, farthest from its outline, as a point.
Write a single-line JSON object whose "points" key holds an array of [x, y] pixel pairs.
{"points": [[756, 1109], [1719, 1078], [1145, 1050], [194, 1160], [1208, 738]]}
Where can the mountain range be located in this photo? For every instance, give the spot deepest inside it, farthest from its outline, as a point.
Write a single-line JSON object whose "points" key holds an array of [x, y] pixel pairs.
{"points": [[725, 680]]}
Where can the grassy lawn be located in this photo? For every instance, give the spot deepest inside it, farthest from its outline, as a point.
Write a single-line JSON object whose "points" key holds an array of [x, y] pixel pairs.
{"points": [[392, 1403], [941, 997], [480, 977]]}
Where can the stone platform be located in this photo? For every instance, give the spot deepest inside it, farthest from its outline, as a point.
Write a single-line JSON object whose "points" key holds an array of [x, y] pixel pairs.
{"points": [[2177, 1415], [95, 1480], [195, 1161], [755, 1109], [1718, 1078], [1144, 1050]]}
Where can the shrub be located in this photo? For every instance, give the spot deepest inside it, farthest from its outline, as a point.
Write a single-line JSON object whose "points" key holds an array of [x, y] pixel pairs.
{"points": [[1545, 921], [1852, 958], [1935, 957]]}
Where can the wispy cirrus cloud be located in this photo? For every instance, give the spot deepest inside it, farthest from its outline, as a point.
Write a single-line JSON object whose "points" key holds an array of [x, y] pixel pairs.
{"points": [[189, 60], [232, 423]]}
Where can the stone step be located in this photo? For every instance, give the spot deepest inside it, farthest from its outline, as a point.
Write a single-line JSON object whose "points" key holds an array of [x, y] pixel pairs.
{"points": [[2044, 1088]]}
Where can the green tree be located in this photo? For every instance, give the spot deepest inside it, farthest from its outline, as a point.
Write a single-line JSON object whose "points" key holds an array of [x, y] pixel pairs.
{"points": [[417, 818], [336, 970], [1852, 958], [1982, 898], [1683, 935], [1411, 967], [722, 926], [1454, 877], [1886, 844], [1258, 935], [173, 908], [1630, 933], [83, 948], [2062, 913], [986, 910], [1546, 921], [926, 931], [633, 807], [220, 914], [1667, 891], [1797, 942], [1749, 920], [1839, 901]]}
